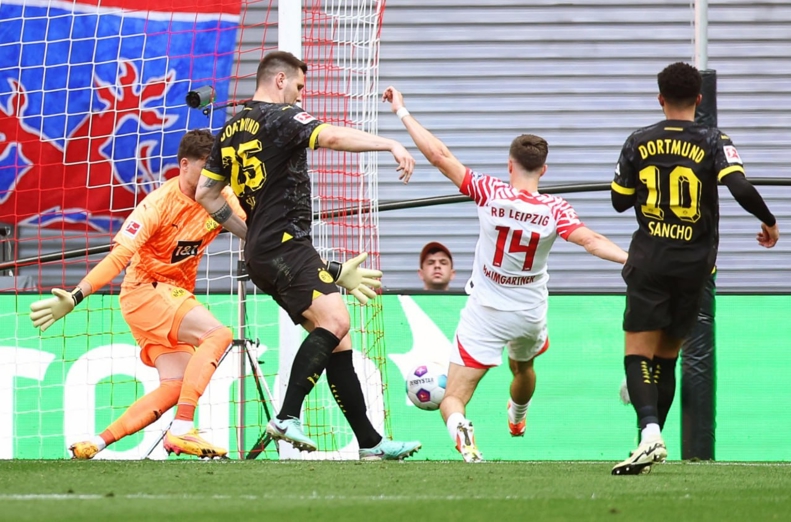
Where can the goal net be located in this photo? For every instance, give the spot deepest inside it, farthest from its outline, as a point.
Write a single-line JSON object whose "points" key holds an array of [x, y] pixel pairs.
{"points": [[92, 108]]}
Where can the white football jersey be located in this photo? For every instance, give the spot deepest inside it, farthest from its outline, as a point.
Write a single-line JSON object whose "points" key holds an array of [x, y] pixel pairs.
{"points": [[517, 232]]}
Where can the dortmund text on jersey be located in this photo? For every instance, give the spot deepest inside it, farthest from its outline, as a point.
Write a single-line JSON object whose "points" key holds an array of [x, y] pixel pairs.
{"points": [[261, 153], [673, 168]]}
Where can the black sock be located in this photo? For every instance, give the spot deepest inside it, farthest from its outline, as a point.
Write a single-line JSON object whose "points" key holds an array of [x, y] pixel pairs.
{"points": [[345, 387], [665, 380], [642, 390], [309, 363]]}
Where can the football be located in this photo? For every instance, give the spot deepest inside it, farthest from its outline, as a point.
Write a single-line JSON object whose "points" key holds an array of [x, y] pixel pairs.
{"points": [[425, 386]]}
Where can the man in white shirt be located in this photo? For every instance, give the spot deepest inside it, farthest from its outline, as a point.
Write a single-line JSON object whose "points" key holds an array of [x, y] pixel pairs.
{"points": [[508, 288]]}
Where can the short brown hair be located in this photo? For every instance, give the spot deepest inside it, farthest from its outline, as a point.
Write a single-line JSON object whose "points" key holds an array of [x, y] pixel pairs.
{"points": [[680, 84], [196, 145], [529, 151], [278, 61]]}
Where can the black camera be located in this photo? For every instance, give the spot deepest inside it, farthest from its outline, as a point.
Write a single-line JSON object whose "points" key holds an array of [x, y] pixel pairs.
{"points": [[200, 97]]}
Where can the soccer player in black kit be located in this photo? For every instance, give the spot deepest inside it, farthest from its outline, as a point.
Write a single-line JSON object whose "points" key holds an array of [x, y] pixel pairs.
{"points": [[669, 173], [262, 153]]}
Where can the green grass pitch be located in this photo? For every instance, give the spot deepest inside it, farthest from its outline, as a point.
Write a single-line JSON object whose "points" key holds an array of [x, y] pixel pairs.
{"points": [[195, 491]]}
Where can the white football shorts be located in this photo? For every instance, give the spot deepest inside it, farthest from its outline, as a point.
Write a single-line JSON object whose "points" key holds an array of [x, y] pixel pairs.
{"points": [[483, 332]]}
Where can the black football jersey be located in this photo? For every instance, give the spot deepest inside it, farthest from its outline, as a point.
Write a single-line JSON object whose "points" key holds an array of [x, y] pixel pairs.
{"points": [[262, 153], [673, 168]]}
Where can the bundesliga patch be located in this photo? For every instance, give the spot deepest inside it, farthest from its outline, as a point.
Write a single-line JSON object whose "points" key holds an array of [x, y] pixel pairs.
{"points": [[304, 118], [731, 154], [132, 229]]}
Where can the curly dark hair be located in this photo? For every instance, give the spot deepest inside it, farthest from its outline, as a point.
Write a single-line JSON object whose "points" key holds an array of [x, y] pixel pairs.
{"points": [[530, 151], [679, 84], [196, 145]]}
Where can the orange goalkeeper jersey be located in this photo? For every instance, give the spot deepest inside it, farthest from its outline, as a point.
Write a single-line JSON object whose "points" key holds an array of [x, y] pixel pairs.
{"points": [[168, 233]]}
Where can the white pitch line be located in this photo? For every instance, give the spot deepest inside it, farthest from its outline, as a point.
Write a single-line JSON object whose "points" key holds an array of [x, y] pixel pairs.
{"points": [[143, 496]]}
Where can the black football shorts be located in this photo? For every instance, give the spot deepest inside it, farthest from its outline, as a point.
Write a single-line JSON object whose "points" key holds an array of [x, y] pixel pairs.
{"points": [[661, 302], [293, 274]]}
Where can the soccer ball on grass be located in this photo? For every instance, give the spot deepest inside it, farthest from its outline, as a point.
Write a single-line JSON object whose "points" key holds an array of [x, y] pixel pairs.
{"points": [[425, 386]]}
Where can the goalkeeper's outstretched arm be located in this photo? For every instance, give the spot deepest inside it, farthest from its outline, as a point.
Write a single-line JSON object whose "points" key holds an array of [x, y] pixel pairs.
{"points": [[45, 312], [432, 148]]}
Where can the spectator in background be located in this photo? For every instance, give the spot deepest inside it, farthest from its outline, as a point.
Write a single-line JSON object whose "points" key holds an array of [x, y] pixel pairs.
{"points": [[436, 267]]}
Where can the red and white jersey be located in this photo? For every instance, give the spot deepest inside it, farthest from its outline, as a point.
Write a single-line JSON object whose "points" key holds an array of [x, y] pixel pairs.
{"points": [[517, 232]]}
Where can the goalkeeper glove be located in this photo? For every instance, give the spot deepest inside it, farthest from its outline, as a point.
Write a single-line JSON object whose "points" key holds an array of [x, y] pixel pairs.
{"points": [[45, 312], [360, 282]]}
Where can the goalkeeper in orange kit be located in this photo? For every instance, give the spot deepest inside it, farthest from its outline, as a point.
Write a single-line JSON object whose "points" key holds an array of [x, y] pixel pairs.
{"points": [[162, 241]]}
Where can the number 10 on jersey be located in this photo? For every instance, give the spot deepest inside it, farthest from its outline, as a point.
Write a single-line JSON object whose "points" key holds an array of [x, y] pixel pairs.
{"points": [[684, 199]]}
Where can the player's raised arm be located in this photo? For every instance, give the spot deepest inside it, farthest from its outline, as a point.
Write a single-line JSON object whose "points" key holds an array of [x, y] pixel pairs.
{"points": [[353, 140], [209, 194], [432, 148], [598, 245]]}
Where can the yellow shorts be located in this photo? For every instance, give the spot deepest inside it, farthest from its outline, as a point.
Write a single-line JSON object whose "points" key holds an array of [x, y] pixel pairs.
{"points": [[154, 312]]}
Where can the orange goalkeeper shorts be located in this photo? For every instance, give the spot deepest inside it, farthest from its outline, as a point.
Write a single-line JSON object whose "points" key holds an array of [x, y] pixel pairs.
{"points": [[154, 312]]}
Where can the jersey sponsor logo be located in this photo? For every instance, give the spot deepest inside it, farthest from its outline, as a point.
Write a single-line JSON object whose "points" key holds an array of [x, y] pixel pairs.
{"points": [[732, 155], [304, 118], [185, 249], [132, 229], [178, 292], [617, 169]]}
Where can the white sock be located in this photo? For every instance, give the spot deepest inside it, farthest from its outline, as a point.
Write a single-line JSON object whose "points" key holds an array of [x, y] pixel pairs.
{"points": [[453, 424], [650, 431], [517, 412], [99, 442], [180, 427]]}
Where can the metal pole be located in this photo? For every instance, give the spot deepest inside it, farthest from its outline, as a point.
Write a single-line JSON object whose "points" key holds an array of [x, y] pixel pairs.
{"points": [[701, 34], [352, 211], [289, 26], [241, 286]]}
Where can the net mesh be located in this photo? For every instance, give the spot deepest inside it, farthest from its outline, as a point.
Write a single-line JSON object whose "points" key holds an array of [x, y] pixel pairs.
{"points": [[91, 112]]}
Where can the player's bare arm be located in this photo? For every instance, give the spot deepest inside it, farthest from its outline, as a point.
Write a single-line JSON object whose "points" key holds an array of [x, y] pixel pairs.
{"points": [[750, 200], [353, 140], [209, 195], [432, 148], [598, 245]]}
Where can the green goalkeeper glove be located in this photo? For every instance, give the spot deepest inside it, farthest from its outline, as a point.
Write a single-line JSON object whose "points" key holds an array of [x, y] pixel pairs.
{"points": [[45, 312], [360, 282]]}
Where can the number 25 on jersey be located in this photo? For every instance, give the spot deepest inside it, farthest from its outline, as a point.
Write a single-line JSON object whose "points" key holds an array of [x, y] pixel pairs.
{"points": [[247, 172]]}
